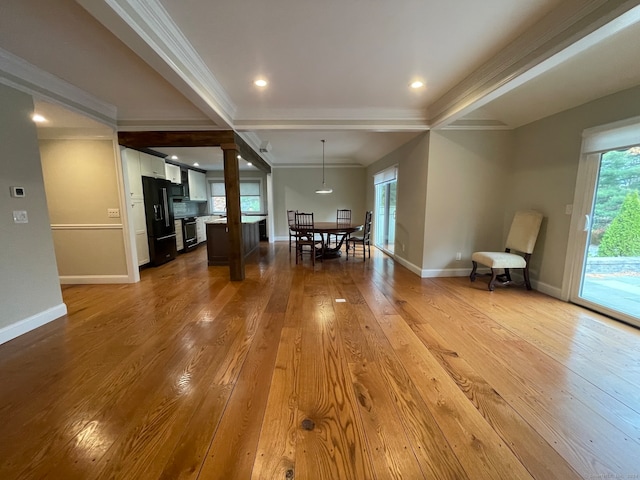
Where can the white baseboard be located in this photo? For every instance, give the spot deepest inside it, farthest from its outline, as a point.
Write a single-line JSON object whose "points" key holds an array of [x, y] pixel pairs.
{"points": [[449, 272], [31, 323], [281, 239], [407, 264], [94, 279], [547, 289]]}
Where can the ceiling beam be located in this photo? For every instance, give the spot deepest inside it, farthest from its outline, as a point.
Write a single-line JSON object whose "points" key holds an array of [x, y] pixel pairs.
{"points": [[199, 138]]}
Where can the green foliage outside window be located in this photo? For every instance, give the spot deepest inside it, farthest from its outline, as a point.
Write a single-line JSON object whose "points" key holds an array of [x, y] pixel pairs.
{"points": [[622, 237], [619, 175]]}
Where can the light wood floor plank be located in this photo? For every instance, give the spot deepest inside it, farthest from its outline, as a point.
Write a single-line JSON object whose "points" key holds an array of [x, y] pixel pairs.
{"points": [[186, 375]]}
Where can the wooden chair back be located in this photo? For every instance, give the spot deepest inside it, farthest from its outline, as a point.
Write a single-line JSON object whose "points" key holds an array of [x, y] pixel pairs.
{"points": [[366, 228], [291, 217], [343, 217]]}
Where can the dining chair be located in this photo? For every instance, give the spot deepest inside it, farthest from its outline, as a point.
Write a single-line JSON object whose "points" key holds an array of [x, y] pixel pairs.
{"points": [[522, 238], [343, 218], [291, 220], [305, 236], [363, 240]]}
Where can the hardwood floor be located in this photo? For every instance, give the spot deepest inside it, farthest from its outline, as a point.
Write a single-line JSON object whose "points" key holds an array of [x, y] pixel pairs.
{"points": [[186, 375]]}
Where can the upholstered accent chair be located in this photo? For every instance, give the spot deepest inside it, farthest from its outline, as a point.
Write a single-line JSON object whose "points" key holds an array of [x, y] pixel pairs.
{"points": [[363, 241], [305, 237], [522, 238]]}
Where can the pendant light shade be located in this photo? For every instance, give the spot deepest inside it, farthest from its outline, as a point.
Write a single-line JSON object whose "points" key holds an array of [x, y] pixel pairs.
{"points": [[324, 188]]}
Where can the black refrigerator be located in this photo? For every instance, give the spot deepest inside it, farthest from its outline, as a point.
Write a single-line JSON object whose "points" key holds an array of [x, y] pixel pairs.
{"points": [[161, 230]]}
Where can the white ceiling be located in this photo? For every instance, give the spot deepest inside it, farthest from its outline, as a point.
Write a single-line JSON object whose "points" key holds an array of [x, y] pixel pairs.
{"points": [[337, 70]]}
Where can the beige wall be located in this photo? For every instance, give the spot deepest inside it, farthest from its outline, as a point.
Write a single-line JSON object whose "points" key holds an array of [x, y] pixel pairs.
{"points": [[82, 182], [546, 158], [294, 189], [412, 160], [468, 174], [29, 288]]}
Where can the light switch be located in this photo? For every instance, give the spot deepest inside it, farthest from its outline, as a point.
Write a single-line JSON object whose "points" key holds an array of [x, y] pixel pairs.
{"points": [[20, 216]]}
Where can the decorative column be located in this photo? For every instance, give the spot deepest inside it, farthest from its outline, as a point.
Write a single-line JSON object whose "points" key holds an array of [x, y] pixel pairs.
{"points": [[234, 215]]}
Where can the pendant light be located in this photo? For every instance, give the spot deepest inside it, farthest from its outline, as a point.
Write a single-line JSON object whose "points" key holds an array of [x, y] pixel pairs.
{"points": [[324, 188]]}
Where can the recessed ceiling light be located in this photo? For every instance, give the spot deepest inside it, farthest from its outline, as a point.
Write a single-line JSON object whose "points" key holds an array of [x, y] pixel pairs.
{"points": [[416, 84], [249, 163], [174, 157], [38, 118], [239, 157], [196, 164], [261, 82]]}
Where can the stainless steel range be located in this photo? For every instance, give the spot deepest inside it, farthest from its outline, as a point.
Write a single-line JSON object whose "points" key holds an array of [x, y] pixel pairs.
{"points": [[189, 233]]}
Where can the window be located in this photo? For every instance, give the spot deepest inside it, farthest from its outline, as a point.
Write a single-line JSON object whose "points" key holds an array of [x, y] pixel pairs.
{"points": [[250, 196]]}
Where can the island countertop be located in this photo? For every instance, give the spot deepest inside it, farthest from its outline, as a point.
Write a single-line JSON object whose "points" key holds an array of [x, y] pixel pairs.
{"points": [[243, 219]]}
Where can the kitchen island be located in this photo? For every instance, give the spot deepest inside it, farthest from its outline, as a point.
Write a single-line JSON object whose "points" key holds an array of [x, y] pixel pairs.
{"points": [[218, 238]]}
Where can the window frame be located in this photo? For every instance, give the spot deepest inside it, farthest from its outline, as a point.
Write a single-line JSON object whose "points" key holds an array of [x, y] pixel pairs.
{"points": [[253, 181]]}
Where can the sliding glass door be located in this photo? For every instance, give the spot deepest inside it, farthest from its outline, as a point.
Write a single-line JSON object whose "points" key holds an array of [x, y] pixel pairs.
{"points": [[385, 216], [607, 275]]}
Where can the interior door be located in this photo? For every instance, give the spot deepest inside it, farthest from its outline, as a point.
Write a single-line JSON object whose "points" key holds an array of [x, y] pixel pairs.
{"points": [[607, 270]]}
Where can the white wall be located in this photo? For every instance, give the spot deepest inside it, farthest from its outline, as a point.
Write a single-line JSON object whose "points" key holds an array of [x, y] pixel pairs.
{"points": [[412, 160], [294, 189], [29, 289], [546, 157], [468, 180]]}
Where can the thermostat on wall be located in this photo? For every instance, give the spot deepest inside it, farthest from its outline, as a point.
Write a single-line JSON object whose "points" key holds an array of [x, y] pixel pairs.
{"points": [[17, 192]]}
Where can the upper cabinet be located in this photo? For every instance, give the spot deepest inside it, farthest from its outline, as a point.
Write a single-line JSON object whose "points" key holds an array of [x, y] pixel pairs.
{"points": [[172, 173], [131, 159], [151, 166], [197, 186]]}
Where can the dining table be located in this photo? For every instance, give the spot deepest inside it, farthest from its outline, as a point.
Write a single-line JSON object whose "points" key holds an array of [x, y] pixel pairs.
{"points": [[340, 229]]}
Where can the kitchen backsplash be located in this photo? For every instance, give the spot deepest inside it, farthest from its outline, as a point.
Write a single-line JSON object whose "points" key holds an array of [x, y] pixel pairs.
{"points": [[188, 209]]}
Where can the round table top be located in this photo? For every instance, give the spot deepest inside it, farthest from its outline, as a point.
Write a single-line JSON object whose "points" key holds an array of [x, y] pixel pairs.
{"points": [[334, 227]]}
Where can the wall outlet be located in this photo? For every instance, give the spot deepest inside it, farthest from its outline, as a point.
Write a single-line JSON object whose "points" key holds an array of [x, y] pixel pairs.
{"points": [[568, 209], [459, 256], [113, 212], [20, 216]]}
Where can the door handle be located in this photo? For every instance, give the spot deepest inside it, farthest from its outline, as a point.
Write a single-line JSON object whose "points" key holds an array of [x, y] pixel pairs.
{"points": [[587, 223], [166, 207]]}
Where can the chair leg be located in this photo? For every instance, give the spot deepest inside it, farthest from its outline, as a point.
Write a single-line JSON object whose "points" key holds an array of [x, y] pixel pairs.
{"points": [[525, 271], [472, 276], [494, 274]]}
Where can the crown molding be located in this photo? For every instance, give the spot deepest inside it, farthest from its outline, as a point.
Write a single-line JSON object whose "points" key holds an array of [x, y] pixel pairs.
{"points": [[151, 22], [317, 165], [132, 125], [332, 119], [25, 77], [477, 124], [570, 22]]}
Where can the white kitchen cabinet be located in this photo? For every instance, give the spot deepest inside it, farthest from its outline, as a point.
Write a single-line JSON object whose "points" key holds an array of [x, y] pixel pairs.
{"points": [[140, 230], [179, 236], [131, 159], [172, 173], [135, 204], [151, 166], [201, 231], [197, 186]]}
